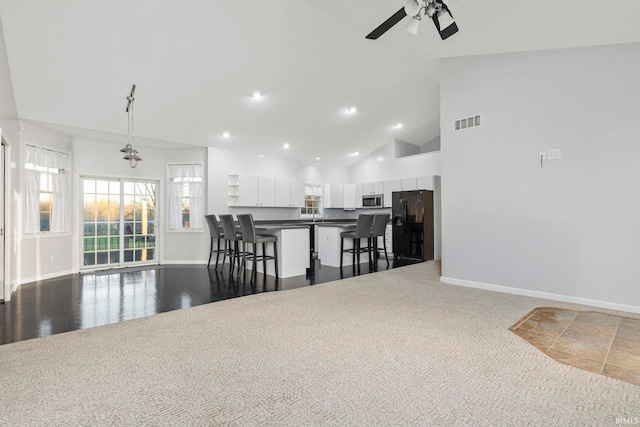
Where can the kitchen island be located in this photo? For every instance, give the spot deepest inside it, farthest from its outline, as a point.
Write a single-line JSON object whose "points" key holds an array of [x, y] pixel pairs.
{"points": [[293, 249], [329, 243]]}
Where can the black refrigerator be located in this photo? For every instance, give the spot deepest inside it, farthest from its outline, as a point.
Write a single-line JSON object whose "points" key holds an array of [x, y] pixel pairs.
{"points": [[412, 224]]}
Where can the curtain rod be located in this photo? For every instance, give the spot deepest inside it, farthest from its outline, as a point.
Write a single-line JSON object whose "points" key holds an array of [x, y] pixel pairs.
{"points": [[46, 149]]}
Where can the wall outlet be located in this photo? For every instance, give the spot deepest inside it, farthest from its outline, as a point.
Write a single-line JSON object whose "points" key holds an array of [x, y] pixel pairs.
{"points": [[555, 154], [53, 258]]}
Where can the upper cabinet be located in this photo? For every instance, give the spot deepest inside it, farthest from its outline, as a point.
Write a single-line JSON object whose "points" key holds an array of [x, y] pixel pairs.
{"points": [[359, 196], [425, 182], [389, 187], [419, 183], [372, 188], [289, 193], [350, 197], [247, 190], [333, 196]]}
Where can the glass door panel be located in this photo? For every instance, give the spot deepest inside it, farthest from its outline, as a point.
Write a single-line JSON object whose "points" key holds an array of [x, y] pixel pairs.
{"points": [[119, 222]]}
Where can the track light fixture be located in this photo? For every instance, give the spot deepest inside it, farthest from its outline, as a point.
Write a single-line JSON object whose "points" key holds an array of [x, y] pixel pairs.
{"points": [[130, 153]]}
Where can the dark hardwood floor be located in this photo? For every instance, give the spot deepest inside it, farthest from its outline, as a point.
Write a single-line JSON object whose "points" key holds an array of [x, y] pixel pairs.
{"points": [[80, 301]]}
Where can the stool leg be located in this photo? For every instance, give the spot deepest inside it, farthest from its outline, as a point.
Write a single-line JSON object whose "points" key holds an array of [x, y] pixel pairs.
{"points": [[226, 249], [275, 257], [358, 253], [217, 254], [210, 252], [384, 245], [341, 250], [254, 273], [264, 259]]}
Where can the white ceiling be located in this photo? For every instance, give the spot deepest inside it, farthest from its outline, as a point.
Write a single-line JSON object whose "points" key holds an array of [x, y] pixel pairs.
{"points": [[197, 62]]}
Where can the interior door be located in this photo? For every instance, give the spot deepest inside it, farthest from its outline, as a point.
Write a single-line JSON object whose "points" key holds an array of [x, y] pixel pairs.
{"points": [[2, 225], [119, 222]]}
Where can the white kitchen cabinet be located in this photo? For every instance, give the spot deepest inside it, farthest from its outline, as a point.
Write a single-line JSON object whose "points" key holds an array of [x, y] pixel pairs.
{"points": [[372, 188], [389, 187], [266, 191], [297, 193], [424, 182], [350, 197], [409, 184], [289, 193], [333, 196], [248, 190], [358, 196]]}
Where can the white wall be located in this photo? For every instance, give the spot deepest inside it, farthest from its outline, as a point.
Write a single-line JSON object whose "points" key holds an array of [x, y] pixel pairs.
{"points": [[381, 165], [9, 128], [222, 163], [40, 256], [103, 159], [570, 229]]}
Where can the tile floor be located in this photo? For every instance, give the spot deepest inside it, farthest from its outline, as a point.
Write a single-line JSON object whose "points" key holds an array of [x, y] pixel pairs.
{"points": [[597, 342]]}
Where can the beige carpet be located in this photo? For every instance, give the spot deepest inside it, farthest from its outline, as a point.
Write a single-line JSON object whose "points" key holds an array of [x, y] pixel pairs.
{"points": [[392, 348]]}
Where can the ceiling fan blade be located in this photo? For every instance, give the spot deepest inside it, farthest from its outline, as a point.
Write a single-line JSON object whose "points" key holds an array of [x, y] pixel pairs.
{"points": [[386, 25]]}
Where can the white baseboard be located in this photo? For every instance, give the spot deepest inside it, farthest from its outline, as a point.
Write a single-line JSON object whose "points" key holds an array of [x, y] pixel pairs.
{"points": [[187, 262], [24, 280], [539, 294]]}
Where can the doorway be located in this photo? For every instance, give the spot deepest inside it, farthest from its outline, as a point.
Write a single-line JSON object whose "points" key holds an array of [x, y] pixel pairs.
{"points": [[119, 222], [2, 219]]}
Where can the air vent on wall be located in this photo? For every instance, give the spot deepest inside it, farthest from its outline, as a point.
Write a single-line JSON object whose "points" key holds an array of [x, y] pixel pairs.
{"points": [[467, 122]]}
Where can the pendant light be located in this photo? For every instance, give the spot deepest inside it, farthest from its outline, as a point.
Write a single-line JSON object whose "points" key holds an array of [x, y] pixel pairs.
{"points": [[130, 153]]}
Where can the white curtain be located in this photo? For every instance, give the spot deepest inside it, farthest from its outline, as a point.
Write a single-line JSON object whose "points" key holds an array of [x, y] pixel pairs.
{"points": [[195, 199], [59, 205], [312, 189], [45, 157], [189, 176], [60, 197], [32, 201], [175, 205]]}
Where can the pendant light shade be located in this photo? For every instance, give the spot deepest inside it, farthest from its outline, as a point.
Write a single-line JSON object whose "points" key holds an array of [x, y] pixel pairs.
{"points": [[130, 153]]}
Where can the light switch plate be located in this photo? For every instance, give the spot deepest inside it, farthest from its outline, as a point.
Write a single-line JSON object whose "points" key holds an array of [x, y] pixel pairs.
{"points": [[556, 153], [542, 155]]}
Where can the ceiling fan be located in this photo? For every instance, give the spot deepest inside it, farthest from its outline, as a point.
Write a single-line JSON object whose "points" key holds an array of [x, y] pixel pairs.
{"points": [[435, 10]]}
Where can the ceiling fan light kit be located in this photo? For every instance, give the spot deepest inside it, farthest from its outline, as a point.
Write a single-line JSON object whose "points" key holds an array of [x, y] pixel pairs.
{"points": [[436, 10]]}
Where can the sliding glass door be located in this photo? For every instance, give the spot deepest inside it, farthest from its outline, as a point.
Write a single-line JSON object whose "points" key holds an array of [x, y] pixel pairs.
{"points": [[119, 222]]}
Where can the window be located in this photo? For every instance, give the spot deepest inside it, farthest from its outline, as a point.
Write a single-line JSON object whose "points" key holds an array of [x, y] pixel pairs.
{"points": [[46, 190], [312, 201], [185, 197]]}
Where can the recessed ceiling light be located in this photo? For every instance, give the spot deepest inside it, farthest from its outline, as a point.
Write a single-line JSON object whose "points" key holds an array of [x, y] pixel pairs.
{"points": [[397, 126], [226, 134], [317, 158], [351, 110], [257, 95], [285, 146], [355, 153], [380, 159]]}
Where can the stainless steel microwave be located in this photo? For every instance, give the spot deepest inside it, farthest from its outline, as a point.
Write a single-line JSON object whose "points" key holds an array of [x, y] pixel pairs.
{"points": [[372, 201]]}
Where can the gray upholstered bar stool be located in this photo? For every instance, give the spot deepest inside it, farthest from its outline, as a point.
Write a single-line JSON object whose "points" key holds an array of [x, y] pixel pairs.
{"points": [[379, 228], [231, 241], [217, 235], [249, 236], [362, 231]]}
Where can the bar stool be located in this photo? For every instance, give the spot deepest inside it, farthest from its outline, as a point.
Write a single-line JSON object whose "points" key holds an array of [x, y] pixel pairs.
{"points": [[249, 236], [362, 231], [231, 242], [379, 228], [217, 235]]}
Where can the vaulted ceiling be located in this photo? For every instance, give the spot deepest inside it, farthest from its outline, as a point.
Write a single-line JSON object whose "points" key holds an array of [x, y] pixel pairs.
{"points": [[196, 64]]}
